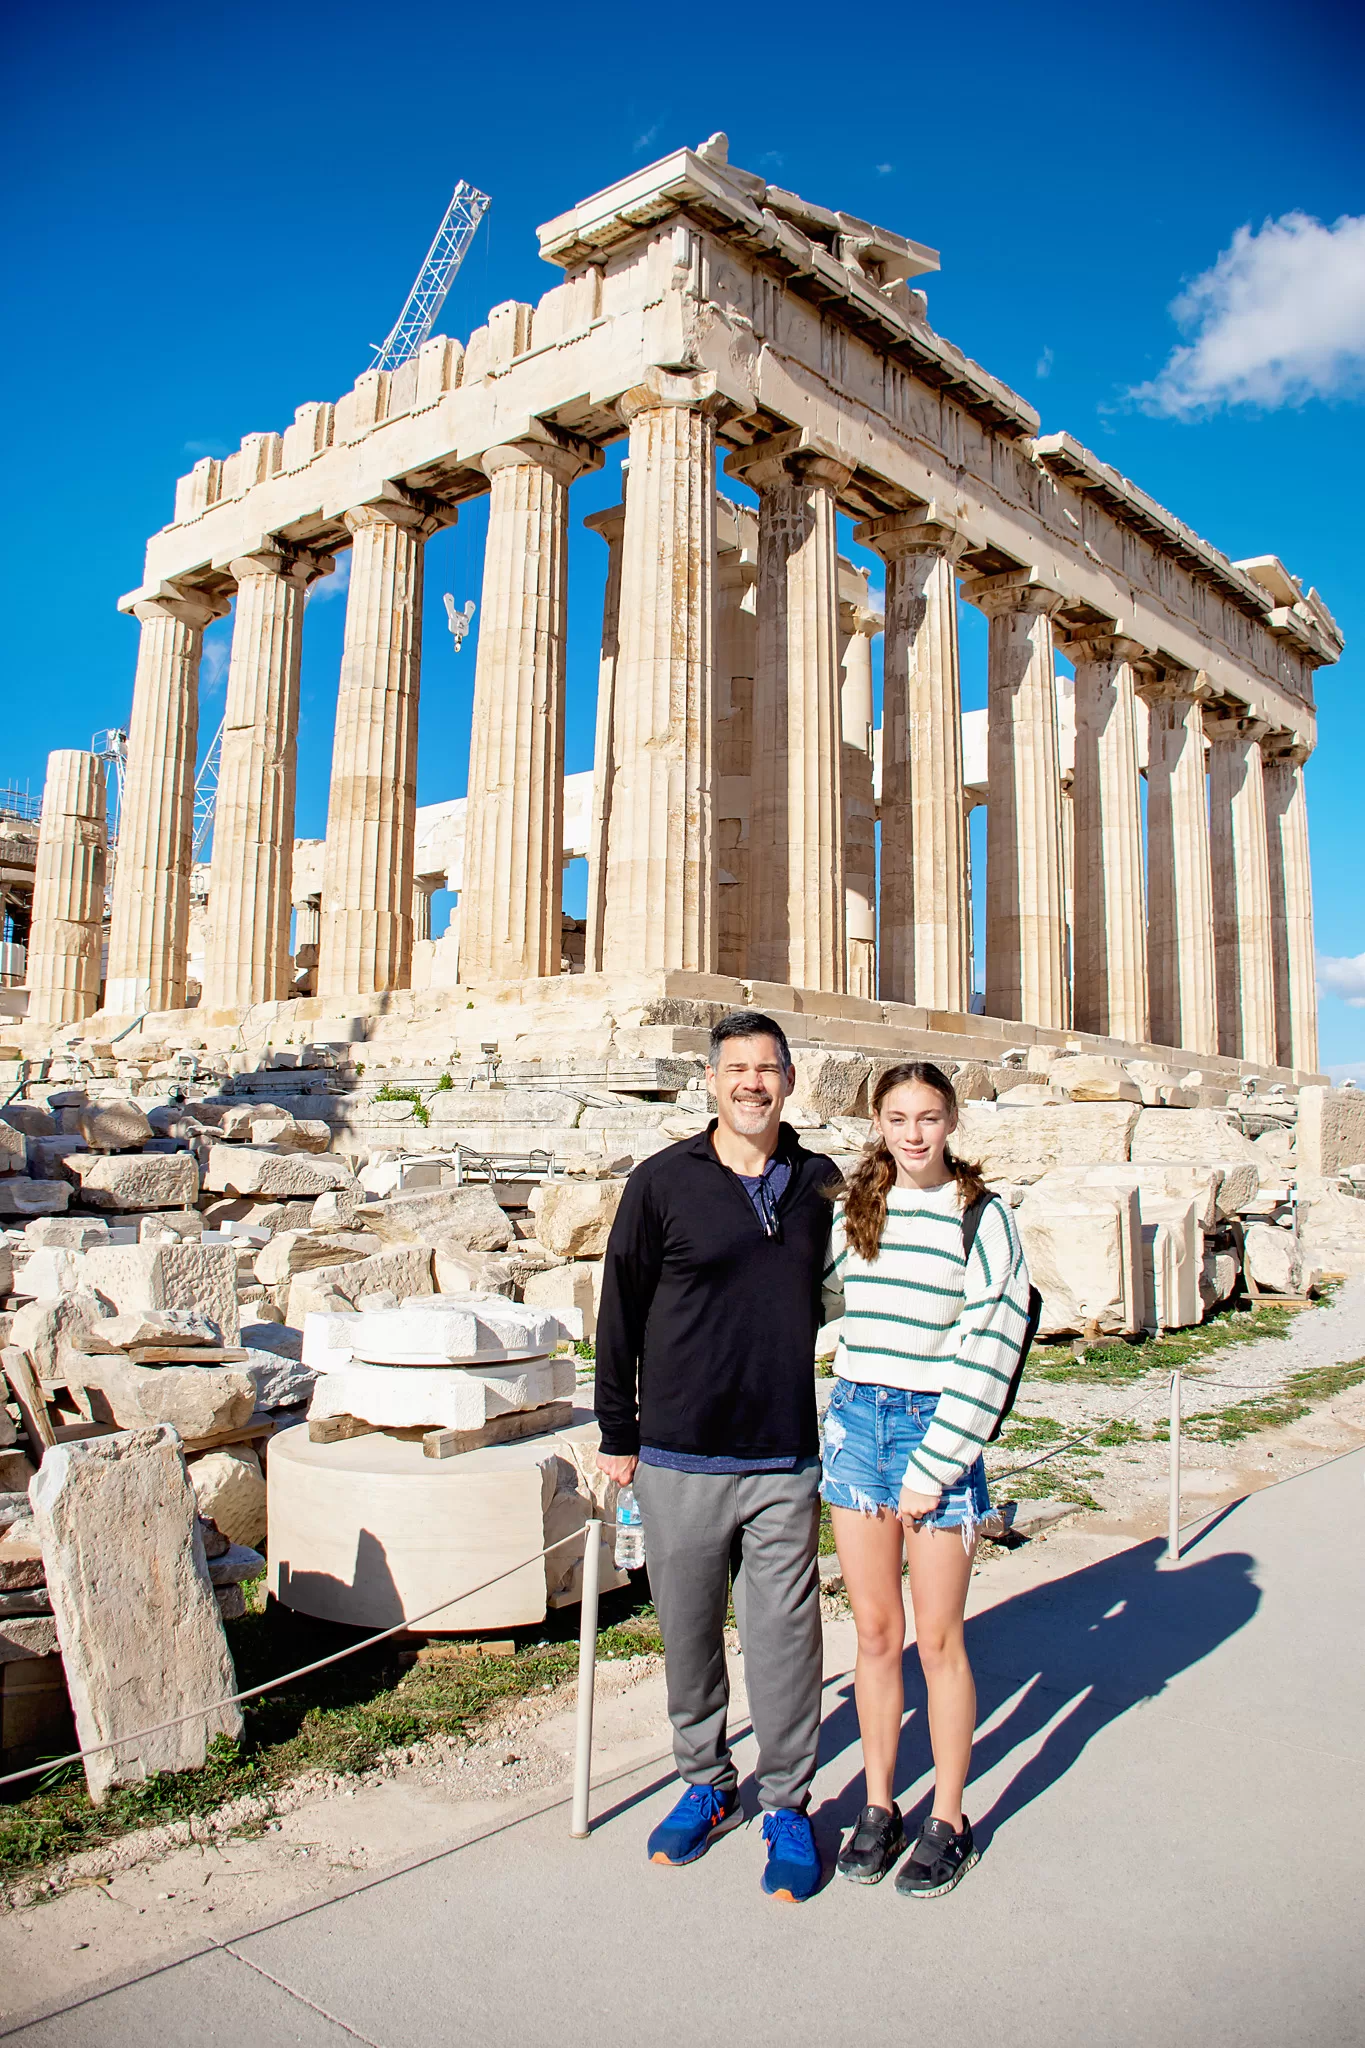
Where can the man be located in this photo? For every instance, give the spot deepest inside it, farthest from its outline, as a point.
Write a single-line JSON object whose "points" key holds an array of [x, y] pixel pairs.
{"points": [[706, 1399]]}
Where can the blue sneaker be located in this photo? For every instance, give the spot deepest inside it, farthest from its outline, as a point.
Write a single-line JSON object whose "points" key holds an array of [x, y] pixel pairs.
{"points": [[699, 1816], [793, 1871]]}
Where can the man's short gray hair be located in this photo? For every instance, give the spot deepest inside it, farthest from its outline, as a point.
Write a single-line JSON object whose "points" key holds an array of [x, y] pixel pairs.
{"points": [[747, 1024]]}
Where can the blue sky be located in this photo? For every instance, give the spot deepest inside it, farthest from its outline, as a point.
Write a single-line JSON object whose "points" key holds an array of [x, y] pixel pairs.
{"points": [[218, 212]]}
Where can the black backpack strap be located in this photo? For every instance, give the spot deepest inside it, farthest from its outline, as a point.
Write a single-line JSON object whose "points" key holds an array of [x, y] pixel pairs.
{"points": [[971, 1219]]}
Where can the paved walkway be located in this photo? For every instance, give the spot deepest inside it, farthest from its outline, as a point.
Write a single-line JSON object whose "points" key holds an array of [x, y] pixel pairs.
{"points": [[1170, 1791]]}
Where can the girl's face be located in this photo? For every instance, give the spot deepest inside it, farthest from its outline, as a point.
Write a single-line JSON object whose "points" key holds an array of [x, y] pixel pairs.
{"points": [[915, 1124]]}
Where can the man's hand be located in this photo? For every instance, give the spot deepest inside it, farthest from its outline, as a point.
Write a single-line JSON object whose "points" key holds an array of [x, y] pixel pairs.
{"points": [[915, 1506], [619, 1470]]}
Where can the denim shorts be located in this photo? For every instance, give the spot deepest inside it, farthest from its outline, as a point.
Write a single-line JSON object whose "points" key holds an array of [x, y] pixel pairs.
{"points": [[869, 1435]]}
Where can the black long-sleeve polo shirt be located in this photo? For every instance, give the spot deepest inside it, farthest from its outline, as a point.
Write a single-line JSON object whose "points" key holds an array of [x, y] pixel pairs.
{"points": [[707, 1324]]}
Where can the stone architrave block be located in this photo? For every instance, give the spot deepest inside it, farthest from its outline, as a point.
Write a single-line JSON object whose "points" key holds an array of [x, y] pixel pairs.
{"points": [[1091, 1077], [574, 1218], [1331, 1131], [568, 1290], [141, 1637], [229, 1486], [180, 1276], [1024, 1144], [444, 1328], [112, 1126], [198, 1400], [472, 1217], [1085, 1258], [439, 1397], [247, 1170], [1274, 1261], [1213, 1137], [13, 1149], [299, 1251], [829, 1083], [49, 1331], [20, 1196], [403, 1270], [135, 1180]]}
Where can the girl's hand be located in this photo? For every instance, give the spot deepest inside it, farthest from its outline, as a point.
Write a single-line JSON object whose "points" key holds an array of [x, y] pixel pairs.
{"points": [[915, 1506]]}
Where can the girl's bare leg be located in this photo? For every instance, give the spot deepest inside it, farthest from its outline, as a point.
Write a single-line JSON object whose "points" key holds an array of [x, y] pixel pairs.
{"points": [[870, 1551], [940, 1572]]}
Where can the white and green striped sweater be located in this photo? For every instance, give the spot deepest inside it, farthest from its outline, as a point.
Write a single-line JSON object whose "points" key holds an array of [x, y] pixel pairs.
{"points": [[922, 1318]]}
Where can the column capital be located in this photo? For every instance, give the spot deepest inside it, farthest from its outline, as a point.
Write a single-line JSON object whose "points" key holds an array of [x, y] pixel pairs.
{"points": [[660, 388], [188, 606], [562, 456], [921, 532], [1018, 590], [419, 516], [1165, 682], [859, 618], [1279, 745], [293, 565], [797, 456], [609, 525]]}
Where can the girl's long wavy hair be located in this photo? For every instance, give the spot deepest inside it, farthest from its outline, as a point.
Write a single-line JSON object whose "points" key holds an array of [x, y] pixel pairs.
{"points": [[875, 1174]]}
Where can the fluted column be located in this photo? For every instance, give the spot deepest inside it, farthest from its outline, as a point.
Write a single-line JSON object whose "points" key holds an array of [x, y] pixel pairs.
{"points": [[366, 938], [250, 877], [924, 953], [1025, 914], [511, 905], [736, 663], [611, 525], [796, 814], [150, 921], [1109, 965], [1241, 889], [1184, 1010], [1291, 905], [68, 892], [661, 882], [859, 628]]}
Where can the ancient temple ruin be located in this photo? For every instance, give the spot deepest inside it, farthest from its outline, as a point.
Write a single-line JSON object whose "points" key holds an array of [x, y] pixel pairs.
{"points": [[732, 830]]}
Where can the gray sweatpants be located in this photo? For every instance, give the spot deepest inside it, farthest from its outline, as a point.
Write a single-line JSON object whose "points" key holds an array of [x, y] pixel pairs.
{"points": [[762, 1529]]}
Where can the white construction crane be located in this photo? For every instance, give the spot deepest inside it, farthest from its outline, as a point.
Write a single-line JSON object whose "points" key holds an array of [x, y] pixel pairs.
{"points": [[206, 792], [466, 209], [111, 748]]}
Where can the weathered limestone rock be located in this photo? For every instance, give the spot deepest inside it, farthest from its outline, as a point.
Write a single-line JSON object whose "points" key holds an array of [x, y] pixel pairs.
{"points": [[338, 1209], [164, 1326], [971, 1082], [399, 1176], [441, 1397], [1218, 1277], [829, 1083], [299, 1251], [1211, 1136], [574, 1218], [1331, 1131], [177, 1276], [47, 1157], [404, 1270], [50, 1330], [13, 1150], [1028, 1095], [292, 1134], [69, 1233], [137, 1180], [113, 1126], [1332, 1232], [460, 1271], [20, 1196], [471, 1216], [1274, 1261], [245, 1170], [1085, 1259], [1093, 1078], [1024, 1144], [31, 1119], [197, 1399], [229, 1487], [47, 1273], [141, 1637], [1218, 1192], [569, 1291], [280, 1382]]}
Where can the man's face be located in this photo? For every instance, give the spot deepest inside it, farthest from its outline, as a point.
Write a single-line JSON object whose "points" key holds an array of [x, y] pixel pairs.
{"points": [[750, 1085]]}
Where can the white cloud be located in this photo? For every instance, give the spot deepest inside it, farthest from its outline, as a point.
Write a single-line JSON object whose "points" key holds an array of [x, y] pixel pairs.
{"points": [[643, 141], [335, 585], [885, 170], [1279, 319], [1344, 978], [213, 662], [199, 449], [1043, 366]]}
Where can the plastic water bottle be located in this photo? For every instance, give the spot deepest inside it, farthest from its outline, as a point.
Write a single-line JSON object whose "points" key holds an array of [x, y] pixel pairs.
{"points": [[630, 1532]]}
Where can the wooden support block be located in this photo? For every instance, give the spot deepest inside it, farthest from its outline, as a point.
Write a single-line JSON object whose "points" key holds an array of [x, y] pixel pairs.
{"points": [[253, 1432], [336, 1429], [185, 1354], [24, 1382], [451, 1653], [503, 1429]]}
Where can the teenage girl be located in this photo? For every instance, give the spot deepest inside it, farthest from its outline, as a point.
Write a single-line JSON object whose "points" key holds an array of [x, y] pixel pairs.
{"points": [[929, 1344]]}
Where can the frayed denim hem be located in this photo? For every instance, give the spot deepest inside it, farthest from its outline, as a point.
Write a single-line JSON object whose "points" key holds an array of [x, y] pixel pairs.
{"points": [[855, 1500]]}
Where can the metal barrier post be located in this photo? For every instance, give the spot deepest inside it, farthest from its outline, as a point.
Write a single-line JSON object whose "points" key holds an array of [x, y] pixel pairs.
{"points": [[1172, 1556], [587, 1676]]}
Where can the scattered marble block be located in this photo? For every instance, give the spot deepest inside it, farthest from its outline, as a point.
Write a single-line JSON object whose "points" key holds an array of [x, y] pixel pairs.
{"points": [[51, 1331], [402, 1271], [247, 1170], [574, 1218], [141, 1636], [48, 1272], [66, 1233], [164, 1326], [170, 1223], [20, 1196], [438, 1397], [1024, 1144], [1172, 1253], [446, 1329], [371, 1532], [112, 1126], [229, 1486], [568, 1291], [471, 1217], [400, 1176], [1213, 1137], [1274, 1261], [202, 1277], [300, 1251], [13, 1148], [280, 1382], [1084, 1254], [1331, 1128], [135, 1180], [198, 1400], [1093, 1077]]}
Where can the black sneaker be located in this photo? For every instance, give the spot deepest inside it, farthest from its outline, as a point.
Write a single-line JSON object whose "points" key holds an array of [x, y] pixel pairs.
{"points": [[873, 1847], [938, 1861]]}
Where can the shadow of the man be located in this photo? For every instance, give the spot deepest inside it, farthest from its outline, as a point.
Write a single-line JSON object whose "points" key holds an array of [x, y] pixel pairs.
{"points": [[1077, 1652]]}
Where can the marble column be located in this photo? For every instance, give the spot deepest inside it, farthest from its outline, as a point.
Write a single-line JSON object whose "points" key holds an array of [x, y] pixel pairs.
{"points": [[250, 876], [1109, 943], [859, 628], [1291, 905], [1025, 912], [925, 947], [661, 881], [66, 929], [796, 855], [1184, 1008], [736, 663], [366, 937], [511, 902], [149, 928], [422, 892], [611, 525], [1241, 889]]}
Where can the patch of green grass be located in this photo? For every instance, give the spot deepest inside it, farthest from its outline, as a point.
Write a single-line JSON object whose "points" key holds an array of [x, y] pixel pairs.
{"points": [[1121, 1431], [339, 1720], [1031, 1431], [1276, 1407], [444, 1083], [388, 1093], [828, 1546], [1123, 1360], [585, 1347]]}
